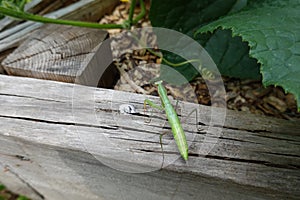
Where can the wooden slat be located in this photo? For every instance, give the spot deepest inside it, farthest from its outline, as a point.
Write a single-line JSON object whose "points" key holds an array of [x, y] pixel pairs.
{"points": [[66, 135], [61, 53]]}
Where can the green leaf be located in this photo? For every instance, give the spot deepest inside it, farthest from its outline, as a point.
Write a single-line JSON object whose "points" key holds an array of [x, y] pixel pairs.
{"points": [[230, 55], [186, 17], [272, 32]]}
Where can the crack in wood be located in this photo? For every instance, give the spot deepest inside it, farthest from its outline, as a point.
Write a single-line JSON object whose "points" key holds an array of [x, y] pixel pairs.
{"points": [[166, 152], [22, 158], [30, 97], [108, 110], [135, 140], [148, 150], [242, 129], [266, 163], [61, 123]]}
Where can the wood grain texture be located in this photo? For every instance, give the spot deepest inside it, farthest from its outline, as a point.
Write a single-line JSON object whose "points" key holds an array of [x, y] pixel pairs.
{"points": [[56, 52], [67, 140]]}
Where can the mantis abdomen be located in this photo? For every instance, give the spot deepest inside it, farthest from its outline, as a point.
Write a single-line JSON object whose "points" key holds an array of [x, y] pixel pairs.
{"points": [[174, 122]]}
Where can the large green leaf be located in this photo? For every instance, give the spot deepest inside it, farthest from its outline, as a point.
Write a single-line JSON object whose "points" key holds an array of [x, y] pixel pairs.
{"points": [[273, 35], [187, 16], [230, 54]]}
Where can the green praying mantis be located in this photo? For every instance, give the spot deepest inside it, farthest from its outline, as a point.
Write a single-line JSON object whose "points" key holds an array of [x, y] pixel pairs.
{"points": [[177, 130]]}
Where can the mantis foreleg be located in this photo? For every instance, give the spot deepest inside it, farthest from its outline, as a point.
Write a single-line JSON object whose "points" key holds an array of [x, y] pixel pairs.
{"points": [[151, 104]]}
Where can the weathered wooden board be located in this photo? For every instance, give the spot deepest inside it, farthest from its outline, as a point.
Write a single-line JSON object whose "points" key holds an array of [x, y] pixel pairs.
{"points": [[60, 53], [66, 141]]}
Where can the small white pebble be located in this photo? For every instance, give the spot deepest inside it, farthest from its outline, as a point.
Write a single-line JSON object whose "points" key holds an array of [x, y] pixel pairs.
{"points": [[126, 109]]}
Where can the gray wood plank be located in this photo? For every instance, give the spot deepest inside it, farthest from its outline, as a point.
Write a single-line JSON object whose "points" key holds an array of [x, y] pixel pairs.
{"points": [[73, 140]]}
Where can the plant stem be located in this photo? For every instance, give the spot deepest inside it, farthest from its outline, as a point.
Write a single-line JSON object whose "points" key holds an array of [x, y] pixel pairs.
{"points": [[131, 11], [38, 18], [142, 13]]}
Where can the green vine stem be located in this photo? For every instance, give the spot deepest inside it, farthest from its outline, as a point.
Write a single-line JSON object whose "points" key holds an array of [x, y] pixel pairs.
{"points": [[37, 18], [131, 11], [142, 13]]}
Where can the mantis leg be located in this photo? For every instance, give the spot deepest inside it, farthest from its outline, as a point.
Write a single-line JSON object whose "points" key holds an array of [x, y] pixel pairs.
{"points": [[197, 123], [162, 149], [151, 104], [178, 112]]}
